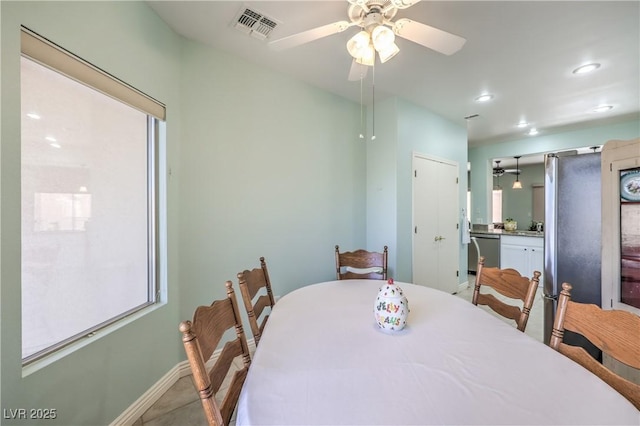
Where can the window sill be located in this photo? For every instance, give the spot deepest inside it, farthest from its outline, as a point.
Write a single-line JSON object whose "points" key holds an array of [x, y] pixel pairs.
{"points": [[88, 339]]}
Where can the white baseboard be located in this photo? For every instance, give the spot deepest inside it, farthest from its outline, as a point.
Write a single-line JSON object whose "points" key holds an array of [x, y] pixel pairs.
{"points": [[147, 399], [142, 404]]}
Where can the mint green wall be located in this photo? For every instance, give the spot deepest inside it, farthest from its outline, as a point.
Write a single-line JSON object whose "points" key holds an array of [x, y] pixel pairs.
{"points": [[95, 383], [389, 162], [260, 165], [382, 181], [270, 167], [481, 157]]}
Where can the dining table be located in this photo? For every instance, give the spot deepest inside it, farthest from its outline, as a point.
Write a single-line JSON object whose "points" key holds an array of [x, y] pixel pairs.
{"points": [[323, 360]]}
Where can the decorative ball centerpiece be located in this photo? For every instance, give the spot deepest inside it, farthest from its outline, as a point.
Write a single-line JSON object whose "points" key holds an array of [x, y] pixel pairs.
{"points": [[391, 307]]}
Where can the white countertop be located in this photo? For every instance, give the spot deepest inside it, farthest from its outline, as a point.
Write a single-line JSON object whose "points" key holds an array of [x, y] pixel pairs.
{"points": [[502, 232]]}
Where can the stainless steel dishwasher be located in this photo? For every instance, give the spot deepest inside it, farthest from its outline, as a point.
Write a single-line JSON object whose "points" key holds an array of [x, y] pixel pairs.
{"points": [[487, 245]]}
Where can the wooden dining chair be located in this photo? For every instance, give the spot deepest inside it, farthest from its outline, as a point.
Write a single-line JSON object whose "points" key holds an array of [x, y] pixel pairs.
{"points": [[615, 332], [361, 264], [252, 283], [201, 338], [508, 283]]}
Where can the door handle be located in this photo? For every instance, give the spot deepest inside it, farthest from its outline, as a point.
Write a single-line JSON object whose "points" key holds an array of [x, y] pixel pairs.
{"points": [[439, 238]]}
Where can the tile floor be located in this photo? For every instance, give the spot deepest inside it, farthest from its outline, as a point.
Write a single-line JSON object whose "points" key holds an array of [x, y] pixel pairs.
{"points": [[180, 405]]}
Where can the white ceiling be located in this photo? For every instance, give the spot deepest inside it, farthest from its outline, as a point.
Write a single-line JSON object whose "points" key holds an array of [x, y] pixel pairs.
{"points": [[521, 52]]}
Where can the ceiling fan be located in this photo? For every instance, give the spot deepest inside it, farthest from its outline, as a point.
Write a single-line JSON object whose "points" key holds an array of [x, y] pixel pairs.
{"points": [[499, 171], [377, 35]]}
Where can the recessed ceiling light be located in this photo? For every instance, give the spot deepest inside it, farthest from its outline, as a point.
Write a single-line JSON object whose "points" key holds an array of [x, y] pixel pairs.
{"points": [[55, 145], [586, 68], [532, 132], [484, 98], [522, 124], [602, 108], [33, 115], [50, 138]]}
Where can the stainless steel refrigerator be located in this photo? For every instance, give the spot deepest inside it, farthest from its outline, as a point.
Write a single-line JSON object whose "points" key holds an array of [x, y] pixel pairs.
{"points": [[572, 231]]}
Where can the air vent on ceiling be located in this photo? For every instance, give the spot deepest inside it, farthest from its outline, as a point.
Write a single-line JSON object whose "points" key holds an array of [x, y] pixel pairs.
{"points": [[254, 23]]}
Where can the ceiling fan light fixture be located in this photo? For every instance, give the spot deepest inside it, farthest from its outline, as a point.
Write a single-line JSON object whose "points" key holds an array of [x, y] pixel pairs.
{"points": [[382, 37], [388, 53], [358, 44], [368, 56]]}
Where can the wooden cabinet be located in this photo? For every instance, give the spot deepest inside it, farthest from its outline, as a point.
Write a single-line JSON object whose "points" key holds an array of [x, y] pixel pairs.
{"points": [[524, 254], [620, 234]]}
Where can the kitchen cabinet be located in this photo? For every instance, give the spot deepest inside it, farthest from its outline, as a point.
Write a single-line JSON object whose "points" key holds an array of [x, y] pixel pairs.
{"points": [[524, 254]]}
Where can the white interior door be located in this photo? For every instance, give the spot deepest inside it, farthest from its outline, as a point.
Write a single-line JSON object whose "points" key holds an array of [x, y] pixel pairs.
{"points": [[435, 219], [448, 223]]}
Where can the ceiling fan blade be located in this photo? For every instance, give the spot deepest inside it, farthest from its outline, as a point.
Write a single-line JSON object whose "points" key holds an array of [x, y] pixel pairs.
{"points": [[427, 36], [358, 71], [309, 35]]}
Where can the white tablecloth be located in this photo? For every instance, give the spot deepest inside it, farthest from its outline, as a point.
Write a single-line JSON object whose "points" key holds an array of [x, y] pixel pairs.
{"points": [[323, 360]]}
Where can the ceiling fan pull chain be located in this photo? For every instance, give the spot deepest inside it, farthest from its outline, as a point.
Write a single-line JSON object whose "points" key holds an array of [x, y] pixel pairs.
{"points": [[373, 105], [361, 110]]}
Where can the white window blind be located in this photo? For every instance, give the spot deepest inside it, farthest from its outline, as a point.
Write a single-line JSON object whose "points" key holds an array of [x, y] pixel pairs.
{"points": [[45, 52], [88, 193]]}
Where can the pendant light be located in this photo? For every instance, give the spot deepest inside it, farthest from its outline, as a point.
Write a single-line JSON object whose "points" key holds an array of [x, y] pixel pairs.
{"points": [[497, 171], [517, 184]]}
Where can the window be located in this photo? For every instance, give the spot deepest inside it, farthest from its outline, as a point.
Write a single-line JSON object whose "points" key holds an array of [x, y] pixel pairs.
{"points": [[496, 214], [88, 190], [538, 203]]}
